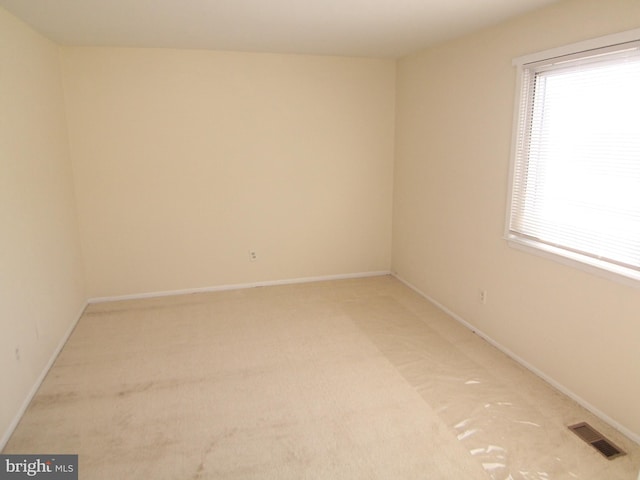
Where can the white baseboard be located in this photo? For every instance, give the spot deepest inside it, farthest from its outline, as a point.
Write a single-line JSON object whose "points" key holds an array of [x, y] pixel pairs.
{"points": [[239, 286], [34, 389], [558, 386]]}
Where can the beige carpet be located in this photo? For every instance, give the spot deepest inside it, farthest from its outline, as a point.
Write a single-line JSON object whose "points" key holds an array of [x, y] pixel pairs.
{"points": [[353, 379]]}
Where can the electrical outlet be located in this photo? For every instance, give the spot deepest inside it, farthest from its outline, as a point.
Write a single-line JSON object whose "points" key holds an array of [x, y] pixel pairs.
{"points": [[253, 256], [483, 297]]}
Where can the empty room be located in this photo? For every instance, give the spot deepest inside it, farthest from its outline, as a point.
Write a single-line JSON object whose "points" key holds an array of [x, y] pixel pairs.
{"points": [[320, 240]]}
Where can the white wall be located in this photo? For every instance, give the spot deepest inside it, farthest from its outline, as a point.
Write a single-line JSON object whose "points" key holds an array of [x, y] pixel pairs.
{"points": [[186, 160], [41, 284], [454, 124]]}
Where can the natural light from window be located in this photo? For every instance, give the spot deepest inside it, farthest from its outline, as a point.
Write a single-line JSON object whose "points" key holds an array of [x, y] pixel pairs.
{"points": [[577, 167]]}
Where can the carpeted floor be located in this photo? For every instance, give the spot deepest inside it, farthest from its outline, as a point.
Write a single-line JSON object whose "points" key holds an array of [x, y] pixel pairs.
{"points": [[350, 379]]}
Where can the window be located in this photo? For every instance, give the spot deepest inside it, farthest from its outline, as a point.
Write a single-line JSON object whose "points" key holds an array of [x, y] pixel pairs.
{"points": [[576, 155]]}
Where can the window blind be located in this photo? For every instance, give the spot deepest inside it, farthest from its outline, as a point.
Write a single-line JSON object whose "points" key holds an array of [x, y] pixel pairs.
{"points": [[576, 181]]}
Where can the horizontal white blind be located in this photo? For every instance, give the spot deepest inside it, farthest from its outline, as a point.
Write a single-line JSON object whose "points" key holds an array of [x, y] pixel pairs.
{"points": [[577, 157]]}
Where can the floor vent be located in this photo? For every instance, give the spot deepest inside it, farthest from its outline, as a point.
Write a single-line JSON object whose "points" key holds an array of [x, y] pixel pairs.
{"points": [[590, 435]]}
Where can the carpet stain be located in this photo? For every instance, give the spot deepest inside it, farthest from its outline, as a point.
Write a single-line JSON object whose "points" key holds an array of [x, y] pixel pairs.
{"points": [[46, 400], [144, 387], [138, 388], [226, 435]]}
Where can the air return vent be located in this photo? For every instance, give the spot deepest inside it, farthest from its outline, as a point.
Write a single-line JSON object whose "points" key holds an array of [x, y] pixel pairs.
{"points": [[594, 438]]}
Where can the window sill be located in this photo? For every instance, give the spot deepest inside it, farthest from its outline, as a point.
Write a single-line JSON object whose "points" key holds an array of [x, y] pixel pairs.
{"points": [[594, 266]]}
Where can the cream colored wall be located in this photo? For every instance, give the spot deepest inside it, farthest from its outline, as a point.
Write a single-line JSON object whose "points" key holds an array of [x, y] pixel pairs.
{"points": [[454, 123], [41, 284], [186, 160]]}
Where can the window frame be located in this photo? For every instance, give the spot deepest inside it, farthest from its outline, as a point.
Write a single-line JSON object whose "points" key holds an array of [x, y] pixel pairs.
{"points": [[585, 263]]}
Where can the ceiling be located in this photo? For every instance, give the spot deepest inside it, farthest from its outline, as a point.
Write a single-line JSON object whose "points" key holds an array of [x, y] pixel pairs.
{"points": [[372, 28]]}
